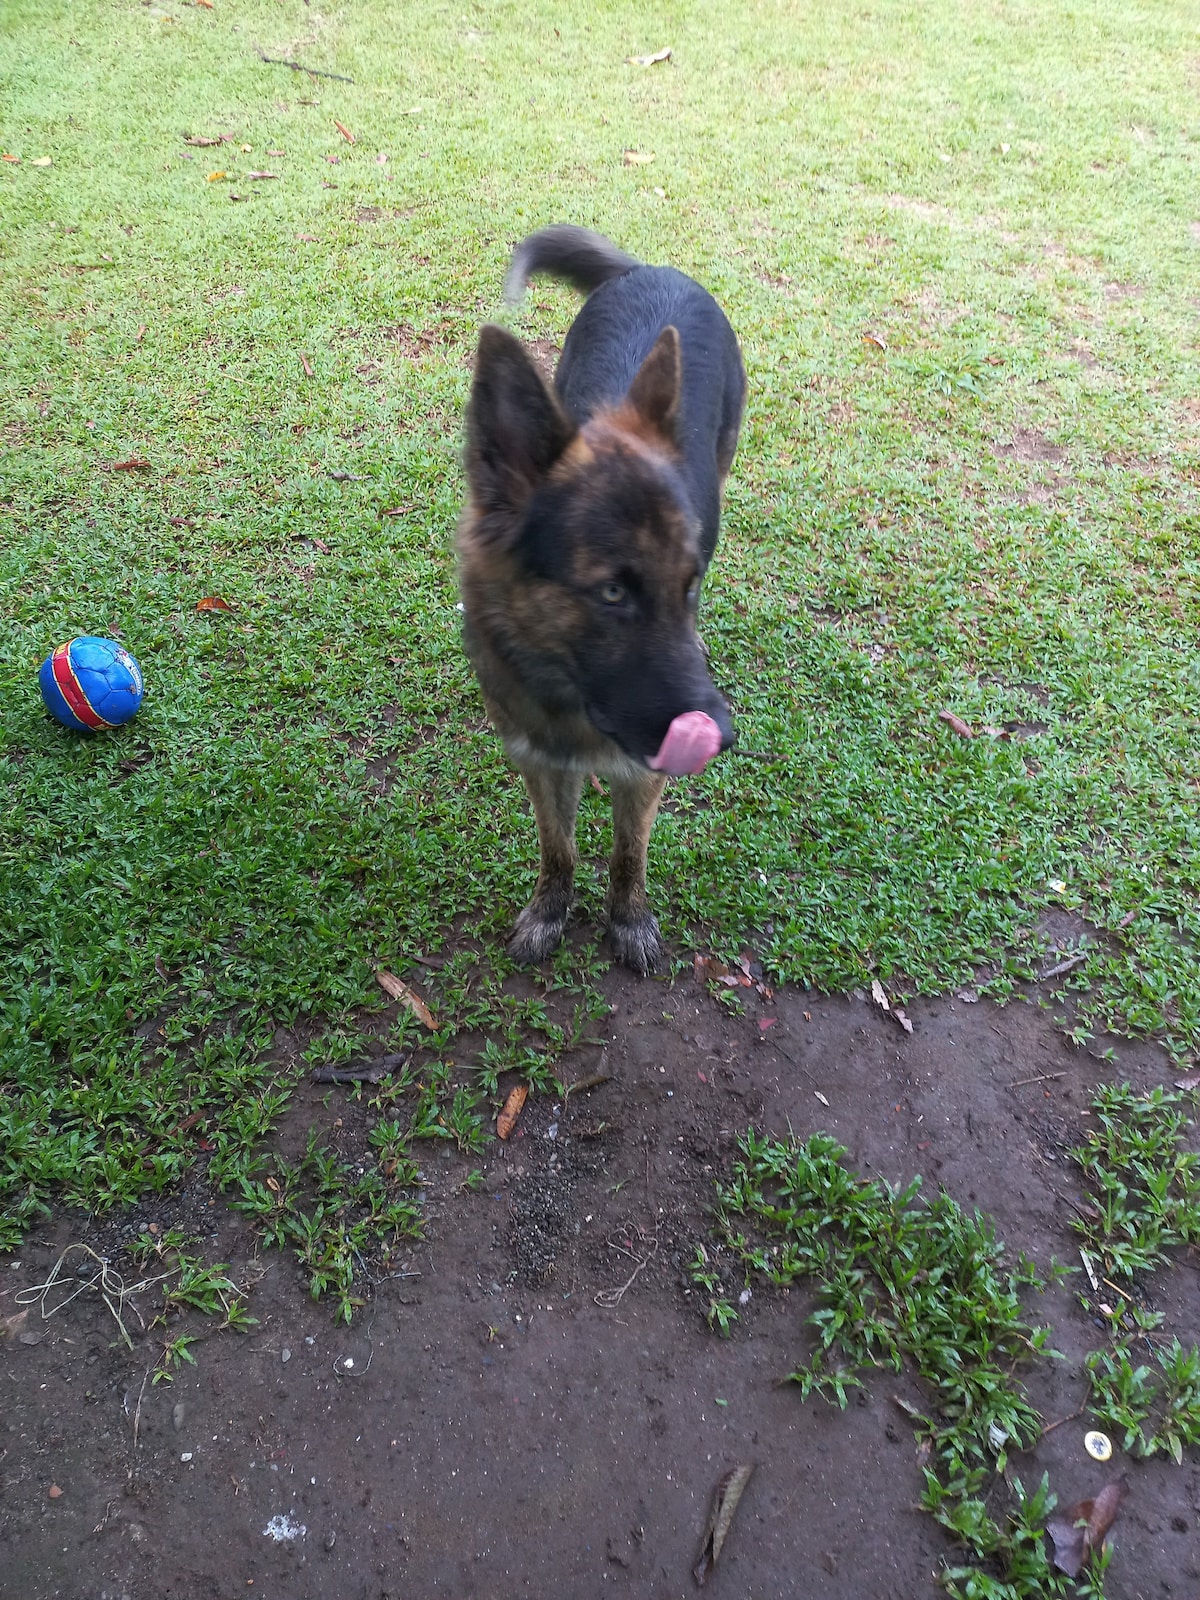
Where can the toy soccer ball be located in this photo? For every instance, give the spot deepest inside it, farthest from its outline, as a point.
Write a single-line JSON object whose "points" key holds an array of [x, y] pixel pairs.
{"points": [[91, 683]]}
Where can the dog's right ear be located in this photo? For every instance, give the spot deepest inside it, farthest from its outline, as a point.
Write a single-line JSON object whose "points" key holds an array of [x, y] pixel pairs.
{"points": [[516, 429]]}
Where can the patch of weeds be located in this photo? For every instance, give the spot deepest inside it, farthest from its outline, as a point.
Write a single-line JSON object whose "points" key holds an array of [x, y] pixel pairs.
{"points": [[901, 1279], [1152, 1407], [1145, 1202], [1145, 1187], [338, 1216]]}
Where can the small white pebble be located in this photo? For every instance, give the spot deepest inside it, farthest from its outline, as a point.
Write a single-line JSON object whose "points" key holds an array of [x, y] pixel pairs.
{"points": [[186, 1456], [348, 1363]]}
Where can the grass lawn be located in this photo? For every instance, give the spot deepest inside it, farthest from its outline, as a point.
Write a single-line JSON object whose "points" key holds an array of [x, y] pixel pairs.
{"points": [[962, 250]]}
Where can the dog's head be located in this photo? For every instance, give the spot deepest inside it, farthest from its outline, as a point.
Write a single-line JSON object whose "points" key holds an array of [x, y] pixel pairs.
{"points": [[600, 547]]}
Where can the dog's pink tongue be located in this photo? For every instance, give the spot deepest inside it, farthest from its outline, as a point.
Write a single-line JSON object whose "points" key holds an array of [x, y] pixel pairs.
{"points": [[692, 740]]}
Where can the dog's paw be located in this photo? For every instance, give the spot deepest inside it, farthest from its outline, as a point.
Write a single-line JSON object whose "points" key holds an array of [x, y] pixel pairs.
{"points": [[536, 932], [637, 942]]}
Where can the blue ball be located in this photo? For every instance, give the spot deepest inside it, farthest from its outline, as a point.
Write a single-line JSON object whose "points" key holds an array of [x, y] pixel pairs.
{"points": [[91, 683]]}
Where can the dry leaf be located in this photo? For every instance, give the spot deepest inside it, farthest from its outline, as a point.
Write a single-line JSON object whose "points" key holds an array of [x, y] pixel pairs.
{"points": [[214, 177], [207, 4], [878, 995], [42, 161], [1190, 1082], [876, 339], [963, 729], [400, 991], [649, 61], [16, 160], [638, 158], [306, 364], [507, 1120], [133, 464], [199, 140], [1082, 1530], [725, 1503], [213, 602], [253, 176], [344, 131], [898, 1013]]}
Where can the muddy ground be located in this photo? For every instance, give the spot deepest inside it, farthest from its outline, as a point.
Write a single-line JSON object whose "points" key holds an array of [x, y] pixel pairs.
{"points": [[505, 1421]]}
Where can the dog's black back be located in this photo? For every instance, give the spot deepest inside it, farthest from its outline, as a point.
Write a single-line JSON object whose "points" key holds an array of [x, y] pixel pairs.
{"points": [[628, 306]]}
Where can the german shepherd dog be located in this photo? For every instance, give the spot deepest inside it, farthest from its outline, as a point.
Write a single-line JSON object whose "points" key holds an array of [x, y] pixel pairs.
{"points": [[592, 515]]}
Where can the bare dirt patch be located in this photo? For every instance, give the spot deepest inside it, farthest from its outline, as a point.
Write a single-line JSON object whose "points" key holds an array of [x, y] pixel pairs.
{"points": [[530, 1402]]}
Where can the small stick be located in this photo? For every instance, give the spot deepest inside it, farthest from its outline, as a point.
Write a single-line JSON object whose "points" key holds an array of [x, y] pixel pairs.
{"points": [[1050, 1426], [306, 364], [594, 1082], [1042, 1077], [298, 66], [1063, 966]]}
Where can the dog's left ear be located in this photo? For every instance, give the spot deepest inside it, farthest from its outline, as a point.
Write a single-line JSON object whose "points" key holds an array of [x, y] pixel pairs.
{"points": [[654, 392]]}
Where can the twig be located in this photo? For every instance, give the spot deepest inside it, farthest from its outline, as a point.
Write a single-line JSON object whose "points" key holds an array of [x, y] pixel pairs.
{"points": [[1042, 1077], [298, 66], [594, 1082], [110, 1284], [610, 1299], [1063, 966], [1050, 1426]]}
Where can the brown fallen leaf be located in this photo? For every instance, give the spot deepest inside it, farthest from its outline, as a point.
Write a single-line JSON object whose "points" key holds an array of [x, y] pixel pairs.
{"points": [[16, 160], [390, 984], [875, 339], [707, 969], [132, 464], [207, 4], [649, 61], [306, 364], [513, 1105], [199, 141], [253, 177], [213, 602], [879, 995], [344, 131], [963, 729], [725, 1503], [898, 1013], [1078, 1534], [638, 158]]}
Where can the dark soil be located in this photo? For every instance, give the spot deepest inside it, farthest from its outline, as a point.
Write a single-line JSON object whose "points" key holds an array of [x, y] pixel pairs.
{"points": [[538, 1408]]}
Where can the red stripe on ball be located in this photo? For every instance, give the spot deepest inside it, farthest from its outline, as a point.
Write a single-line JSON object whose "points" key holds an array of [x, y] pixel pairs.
{"points": [[72, 690]]}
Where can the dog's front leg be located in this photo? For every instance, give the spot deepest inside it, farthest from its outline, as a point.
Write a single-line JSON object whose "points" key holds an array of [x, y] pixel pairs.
{"points": [[555, 796], [631, 923]]}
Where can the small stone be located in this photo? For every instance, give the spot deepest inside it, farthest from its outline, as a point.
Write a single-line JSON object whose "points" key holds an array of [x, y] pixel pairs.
{"points": [[285, 1354], [30, 1338], [330, 1540], [177, 1416], [55, 1492], [186, 1456]]}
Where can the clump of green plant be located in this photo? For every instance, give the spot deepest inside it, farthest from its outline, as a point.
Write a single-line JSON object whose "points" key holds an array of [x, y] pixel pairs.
{"points": [[335, 1213], [1150, 1406], [1145, 1186], [902, 1279], [1145, 1202]]}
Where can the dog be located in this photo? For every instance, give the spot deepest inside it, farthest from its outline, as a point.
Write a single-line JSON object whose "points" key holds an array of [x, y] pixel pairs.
{"points": [[592, 515]]}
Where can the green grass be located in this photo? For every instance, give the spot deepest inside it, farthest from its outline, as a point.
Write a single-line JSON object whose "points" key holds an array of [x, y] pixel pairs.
{"points": [[1005, 198], [916, 1285]]}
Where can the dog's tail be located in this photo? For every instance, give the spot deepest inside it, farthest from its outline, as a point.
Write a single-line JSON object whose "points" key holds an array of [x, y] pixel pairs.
{"points": [[584, 259]]}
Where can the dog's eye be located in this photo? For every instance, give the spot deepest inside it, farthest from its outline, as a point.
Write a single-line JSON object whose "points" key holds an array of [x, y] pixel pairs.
{"points": [[612, 593]]}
